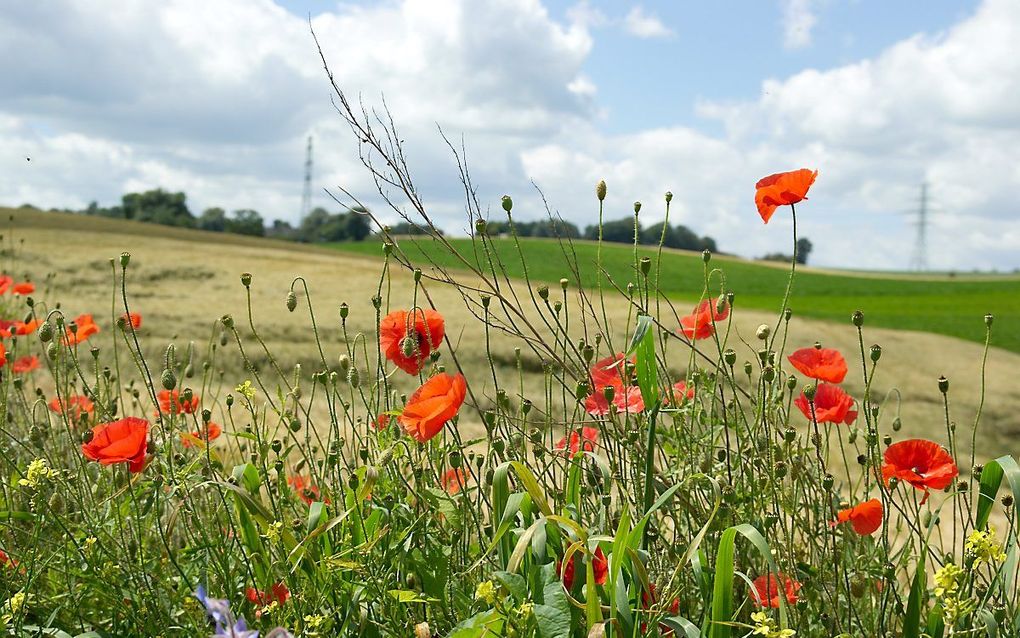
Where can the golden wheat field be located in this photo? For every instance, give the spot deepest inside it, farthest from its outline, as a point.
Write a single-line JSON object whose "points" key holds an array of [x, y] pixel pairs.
{"points": [[183, 281]]}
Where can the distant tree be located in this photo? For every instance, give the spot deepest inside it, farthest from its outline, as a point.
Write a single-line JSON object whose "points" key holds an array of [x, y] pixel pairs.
{"points": [[246, 222], [405, 228], [620, 230], [356, 225], [803, 250], [213, 219], [158, 206], [281, 230], [309, 229], [707, 243]]}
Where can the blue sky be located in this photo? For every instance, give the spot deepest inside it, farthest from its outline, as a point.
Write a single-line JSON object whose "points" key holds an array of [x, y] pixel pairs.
{"points": [[216, 98]]}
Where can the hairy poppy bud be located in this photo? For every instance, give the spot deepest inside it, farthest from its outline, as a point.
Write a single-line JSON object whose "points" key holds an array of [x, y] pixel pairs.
{"points": [[227, 321], [543, 292], [897, 424], [857, 318], [45, 331], [408, 345], [943, 385], [345, 364], [125, 259], [291, 301], [480, 226], [508, 203], [876, 353], [646, 265], [989, 318], [706, 255], [168, 379], [246, 279], [781, 468], [809, 392], [763, 331], [353, 377], [637, 207], [669, 196], [600, 190]]}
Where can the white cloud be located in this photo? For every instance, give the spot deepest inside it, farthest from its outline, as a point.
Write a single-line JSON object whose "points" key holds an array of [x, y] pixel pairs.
{"points": [[645, 25], [798, 19], [216, 98]]}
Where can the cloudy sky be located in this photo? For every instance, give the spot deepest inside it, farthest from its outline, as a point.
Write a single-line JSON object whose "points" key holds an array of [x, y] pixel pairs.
{"points": [[216, 98]]}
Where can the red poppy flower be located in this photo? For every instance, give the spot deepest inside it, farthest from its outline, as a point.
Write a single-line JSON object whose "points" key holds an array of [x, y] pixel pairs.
{"points": [[782, 189], [25, 364], [823, 364], [74, 405], [425, 330], [7, 561], [832, 405], [134, 318], [766, 590], [627, 399], [85, 328], [453, 481], [700, 324], [5, 283], [23, 288], [865, 518], [609, 370], [170, 402], [212, 431], [381, 421], [304, 488], [122, 441], [681, 393], [649, 598], [589, 435], [923, 464], [278, 593], [600, 566], [20, 327], [3, 355], [432, 405]]}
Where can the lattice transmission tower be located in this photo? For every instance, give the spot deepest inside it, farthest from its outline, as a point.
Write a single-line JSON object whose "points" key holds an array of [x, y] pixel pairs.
{"points": [[919, 260], [306, 194]]}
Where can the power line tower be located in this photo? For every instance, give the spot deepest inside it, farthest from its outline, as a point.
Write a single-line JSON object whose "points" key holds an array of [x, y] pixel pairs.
{"points": [[306, 194], [919, 261]]}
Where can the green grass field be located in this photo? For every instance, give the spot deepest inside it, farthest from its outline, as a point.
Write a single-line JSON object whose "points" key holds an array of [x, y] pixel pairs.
{"points": [[953, 306]]}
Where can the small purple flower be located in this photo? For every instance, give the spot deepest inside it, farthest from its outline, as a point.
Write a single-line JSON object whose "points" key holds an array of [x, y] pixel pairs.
{"points": [[217, 608], [239, 630]]}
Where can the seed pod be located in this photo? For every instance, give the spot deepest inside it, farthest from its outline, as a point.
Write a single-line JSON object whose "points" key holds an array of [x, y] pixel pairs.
{"points": [[480, 226], [344, 310], [989, 318], [246, 279], [876, 353], [857, 318], [125, 259], [669, 196], [543, 292], [354, 377], [730, 356], [227, 321], [943, 385], [706, 255], [646, 265]]}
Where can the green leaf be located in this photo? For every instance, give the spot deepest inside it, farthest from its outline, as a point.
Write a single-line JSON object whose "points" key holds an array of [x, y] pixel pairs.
{"points": [[515, 583], [991, 479], [248, 476], [315, 511], [915, 602], [647, 367], [486, 623], [722, 598]]}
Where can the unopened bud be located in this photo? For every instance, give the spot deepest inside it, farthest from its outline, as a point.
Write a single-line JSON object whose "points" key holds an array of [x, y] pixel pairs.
{"points": [[508, 203], [543, 292], [809, 392], [168, 379], [480, 226], [876, 353], [354, 377], [857, 318], [600, 190], [246, 279], [45, 331], [291, 301], [791, 382], [763, 331]]}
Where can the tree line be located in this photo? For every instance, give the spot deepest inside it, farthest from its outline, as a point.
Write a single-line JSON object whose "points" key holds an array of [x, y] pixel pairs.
{"points": [[159, 206]]}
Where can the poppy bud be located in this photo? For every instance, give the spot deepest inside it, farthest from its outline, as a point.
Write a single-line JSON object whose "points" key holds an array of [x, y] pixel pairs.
{"points": [[543, 292], [943, 385], [809, 392], [637, 207], [525, 406], [223, 338], [581, 391], [748, 368], [646, 265], [887, 440], [669, 196], [498, 446], [230, 400], [857, 318], [897, 424], [227, 321], [189, 371], [345, 364], [588, 352], [768, 374], [480, 226], [720, 455], [706, 255], [408, 345], [609, 392], [168, 379], [416, 273], [789, 435], [852, 437], [862, 459], [56, 503], [246, 279], [344, 310], [763, 331], [557, 306], [45, 332], [354, 377], [828, 481], [291, 301], [876, 353], [508, 203], [376, 302], [125, 259], [791, 382], [600, 190]]}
